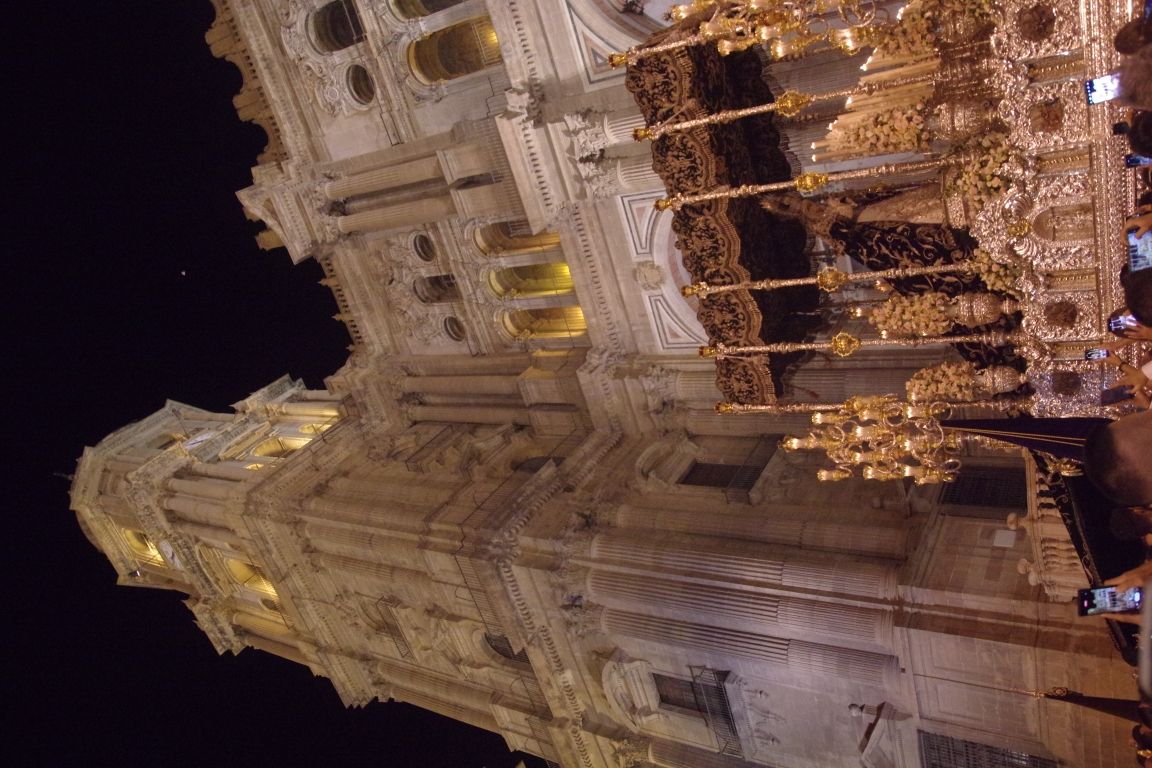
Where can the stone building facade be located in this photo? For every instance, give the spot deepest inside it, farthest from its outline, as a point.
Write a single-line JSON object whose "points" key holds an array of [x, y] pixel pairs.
{"points": [[515, 505]]}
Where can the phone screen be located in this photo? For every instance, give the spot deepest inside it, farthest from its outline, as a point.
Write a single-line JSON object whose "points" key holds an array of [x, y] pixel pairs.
{"points": [[1139, 251], [1137, 161], [1103, 88], [1096, 353], [1108, 600], [1120, 322]]}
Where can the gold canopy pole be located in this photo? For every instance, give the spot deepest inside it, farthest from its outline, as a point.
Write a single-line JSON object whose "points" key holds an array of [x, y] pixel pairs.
{"points": [[805, 182], [828, 280], [789, 104], [845, 344]]}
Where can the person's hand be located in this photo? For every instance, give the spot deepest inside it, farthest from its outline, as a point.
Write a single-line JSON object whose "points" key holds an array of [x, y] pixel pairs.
{"points": [[1135, 379], [1133, 578], [1138, 333], [1139, 224]]}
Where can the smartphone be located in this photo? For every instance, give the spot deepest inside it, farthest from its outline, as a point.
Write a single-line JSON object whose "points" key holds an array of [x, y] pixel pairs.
{"points": [[1137, 161], [1119, 323], [1103, 88], [1139, 251], [1096, 600], [1095, 353]]}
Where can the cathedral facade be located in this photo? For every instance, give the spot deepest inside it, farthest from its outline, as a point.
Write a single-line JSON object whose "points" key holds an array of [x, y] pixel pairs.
{"points": [[516, 505]]}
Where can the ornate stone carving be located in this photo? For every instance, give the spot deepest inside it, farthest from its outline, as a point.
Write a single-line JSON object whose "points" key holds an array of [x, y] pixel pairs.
{"points": [[650, 275]]}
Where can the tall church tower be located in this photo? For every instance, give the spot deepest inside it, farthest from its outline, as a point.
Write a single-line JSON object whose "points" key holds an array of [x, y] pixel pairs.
{"points": [[515, 505]]}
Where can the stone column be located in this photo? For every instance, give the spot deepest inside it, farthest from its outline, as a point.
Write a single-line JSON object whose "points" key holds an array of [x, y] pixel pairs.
{"points": [[790, 618], [381, 179], [471, 414], [801, 528], [728, 560], [462, 386], [618, 126], [804, 658], [410, 214]]}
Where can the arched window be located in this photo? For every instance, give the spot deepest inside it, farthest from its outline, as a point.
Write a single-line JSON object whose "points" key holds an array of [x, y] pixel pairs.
{"points": [[278, 447], [337, 26], [547, 323], [436, 289], [532, 280], [506, 238], [142, 546], [455, 51], [250, 576], [360, 84], [414, 9]]}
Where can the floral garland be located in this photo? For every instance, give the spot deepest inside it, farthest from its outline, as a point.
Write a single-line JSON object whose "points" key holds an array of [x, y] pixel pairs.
{"points": [[894, 130], [916, 34], [947, 382], [979, 180], [998, 276], [921, 314]]}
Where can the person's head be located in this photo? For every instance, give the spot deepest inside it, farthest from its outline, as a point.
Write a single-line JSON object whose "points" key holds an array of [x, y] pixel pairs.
{"points": [[1118, 459], [1140, 133], [1136, 79], [1131, 37], [1138, 294], [1130, 524]]}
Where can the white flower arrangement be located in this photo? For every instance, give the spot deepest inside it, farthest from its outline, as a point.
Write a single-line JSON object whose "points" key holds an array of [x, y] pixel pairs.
{"points": [[979, 180], [998, 276], [946, 382], [894, 130], [921, 314]]}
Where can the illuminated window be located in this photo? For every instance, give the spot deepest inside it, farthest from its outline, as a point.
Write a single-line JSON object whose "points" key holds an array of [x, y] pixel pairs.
{"points": [[532, 280], [142, 546], [337, 26], [506, 238], [413, 9], [248, 575], [547, 323], [455, 51], [279, 447]]}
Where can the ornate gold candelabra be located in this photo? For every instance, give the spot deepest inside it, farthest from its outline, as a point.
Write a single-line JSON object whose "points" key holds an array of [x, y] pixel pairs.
{"points": [[885, 438], [737, 25]]}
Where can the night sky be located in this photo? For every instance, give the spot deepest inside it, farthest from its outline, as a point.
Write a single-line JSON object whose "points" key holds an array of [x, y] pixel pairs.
{"points": [[136, 279]]}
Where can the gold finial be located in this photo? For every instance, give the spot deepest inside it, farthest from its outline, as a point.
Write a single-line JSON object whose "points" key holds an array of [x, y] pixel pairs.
{"points": [[844, 344], [663, 203], [709, 352], [831, 280], [694, 289], [616, 60], [810, 182], [726, 408], [792, 103], [642, 134]]}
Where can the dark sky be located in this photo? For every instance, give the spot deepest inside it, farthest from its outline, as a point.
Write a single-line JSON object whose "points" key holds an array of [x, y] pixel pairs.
{"points": [[134, 278]]}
